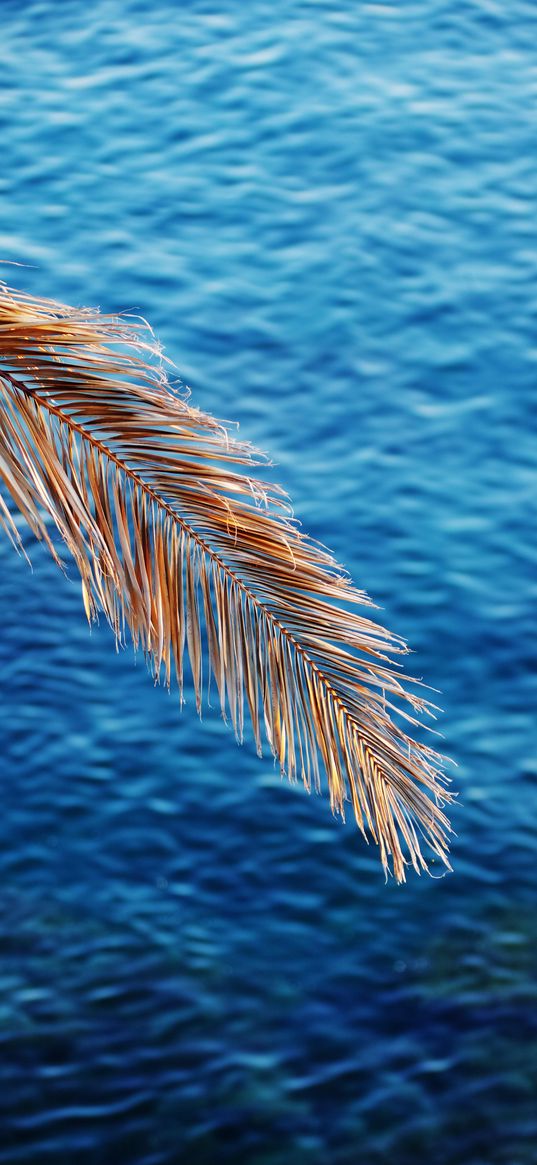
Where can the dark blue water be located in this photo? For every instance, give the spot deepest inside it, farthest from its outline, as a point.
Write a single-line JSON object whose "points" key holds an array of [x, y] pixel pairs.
{"points": [[328, 213]]}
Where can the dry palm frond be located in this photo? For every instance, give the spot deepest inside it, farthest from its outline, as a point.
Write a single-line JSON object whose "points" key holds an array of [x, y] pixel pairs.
{"points": [[179, 546]]}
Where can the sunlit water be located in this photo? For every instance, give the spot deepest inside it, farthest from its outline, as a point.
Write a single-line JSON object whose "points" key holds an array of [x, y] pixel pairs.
{"points": [[328, 213]]}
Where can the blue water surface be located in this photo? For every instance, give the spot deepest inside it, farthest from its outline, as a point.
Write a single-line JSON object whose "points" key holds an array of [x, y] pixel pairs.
{"points": [[327, 210]]}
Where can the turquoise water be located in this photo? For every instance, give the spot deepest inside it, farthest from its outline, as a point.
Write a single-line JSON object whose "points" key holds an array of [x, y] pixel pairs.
{"points": [[328, 213]]}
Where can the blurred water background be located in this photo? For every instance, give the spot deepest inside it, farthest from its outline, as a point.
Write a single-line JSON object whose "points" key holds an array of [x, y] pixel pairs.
{"points": [[328, 213]]}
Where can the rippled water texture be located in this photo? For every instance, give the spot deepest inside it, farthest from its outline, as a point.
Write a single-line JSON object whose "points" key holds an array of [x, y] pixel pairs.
{"points": [[328, 213]]}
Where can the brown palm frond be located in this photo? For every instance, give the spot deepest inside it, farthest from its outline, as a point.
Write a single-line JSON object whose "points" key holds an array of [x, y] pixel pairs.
{"points": [[179, 544]]}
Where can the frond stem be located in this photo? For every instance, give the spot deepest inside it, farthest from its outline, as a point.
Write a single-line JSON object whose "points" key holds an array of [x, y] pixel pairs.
{"points": [[192, 533]]}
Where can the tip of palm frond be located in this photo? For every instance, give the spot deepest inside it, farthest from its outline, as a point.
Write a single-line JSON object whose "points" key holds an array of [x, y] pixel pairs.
{"points": [[186, 549]]}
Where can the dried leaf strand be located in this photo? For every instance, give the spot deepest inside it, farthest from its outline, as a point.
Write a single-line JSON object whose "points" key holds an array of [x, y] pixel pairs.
{"points": [[183, 548]]}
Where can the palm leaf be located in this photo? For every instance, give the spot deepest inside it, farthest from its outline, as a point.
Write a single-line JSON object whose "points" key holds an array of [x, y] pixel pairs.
{"points": [[181, 546]]}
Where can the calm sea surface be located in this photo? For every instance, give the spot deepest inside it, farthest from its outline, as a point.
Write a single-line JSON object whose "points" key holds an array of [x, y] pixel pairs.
{"points": [[328, 212]]}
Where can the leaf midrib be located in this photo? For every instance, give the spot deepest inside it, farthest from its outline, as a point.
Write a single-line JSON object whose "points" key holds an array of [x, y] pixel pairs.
{"points": [[186, 526]]}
